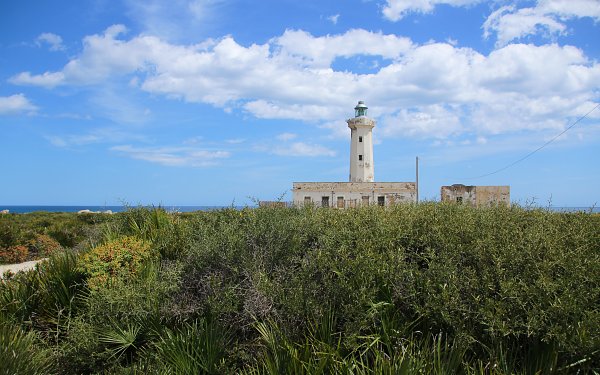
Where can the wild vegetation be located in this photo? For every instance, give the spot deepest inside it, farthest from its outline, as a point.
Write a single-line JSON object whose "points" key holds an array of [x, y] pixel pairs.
{"points": [[429, 288], [39, 234]]}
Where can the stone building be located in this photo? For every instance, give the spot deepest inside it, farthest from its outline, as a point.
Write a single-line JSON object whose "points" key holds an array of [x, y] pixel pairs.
{"points": [[477, 196], [361, 189]]}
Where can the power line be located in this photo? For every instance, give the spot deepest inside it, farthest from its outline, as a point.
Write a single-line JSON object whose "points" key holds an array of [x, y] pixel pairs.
{"points": [[537, 149]]}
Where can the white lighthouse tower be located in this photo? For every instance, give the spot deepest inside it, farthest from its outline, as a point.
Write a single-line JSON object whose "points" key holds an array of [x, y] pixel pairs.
{"points": [[361, 145]]}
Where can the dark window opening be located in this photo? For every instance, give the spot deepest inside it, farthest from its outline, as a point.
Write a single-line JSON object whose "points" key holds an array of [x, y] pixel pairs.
{"points": [[360, 157], [307, 200], [459, 199], [360, 139], [325, 202], [381, 201]]}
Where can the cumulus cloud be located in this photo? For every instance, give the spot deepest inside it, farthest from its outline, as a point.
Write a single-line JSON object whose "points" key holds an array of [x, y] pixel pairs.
{"points": [[428, 121], [54, 41], [395, 10], [420, 90], [47, 79], [322, 51], [509, 22], [547, 18], [570, 8], [173, 156], [15, 104]]}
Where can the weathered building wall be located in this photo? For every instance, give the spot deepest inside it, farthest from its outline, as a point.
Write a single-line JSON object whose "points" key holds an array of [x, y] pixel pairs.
{"points": [[458, 193], [476, 195], [353, 194]]}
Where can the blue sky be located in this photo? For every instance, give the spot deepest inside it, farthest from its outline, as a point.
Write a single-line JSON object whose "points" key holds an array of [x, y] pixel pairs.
{"points": [[210, 102]]}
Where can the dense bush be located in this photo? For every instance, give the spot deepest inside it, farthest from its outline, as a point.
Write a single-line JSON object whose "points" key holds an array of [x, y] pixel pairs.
{"points": [[43, 245], [118, 259], [428, 288], [14, 254], [44, 232], [494, 280]]}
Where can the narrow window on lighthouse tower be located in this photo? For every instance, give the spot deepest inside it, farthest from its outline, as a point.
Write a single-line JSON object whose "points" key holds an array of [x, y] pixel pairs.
{"points": [[360, 138], [359, 157]]}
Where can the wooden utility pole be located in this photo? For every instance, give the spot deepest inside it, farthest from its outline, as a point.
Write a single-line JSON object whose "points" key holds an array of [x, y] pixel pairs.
{"points": [[417, 170]]}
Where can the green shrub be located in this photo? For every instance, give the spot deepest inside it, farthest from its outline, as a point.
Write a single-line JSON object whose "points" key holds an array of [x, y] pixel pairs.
{"points": [[429, 288], [196, 348], [149, 224], [61, 283], [44, 297], [43, 245], [10, 234], [20, 353], [116, 260], [19, 298], [45, 232]]}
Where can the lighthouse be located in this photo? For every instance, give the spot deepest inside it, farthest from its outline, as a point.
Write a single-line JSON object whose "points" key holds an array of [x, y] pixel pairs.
{"points": [[361, 190], [361, 145]]}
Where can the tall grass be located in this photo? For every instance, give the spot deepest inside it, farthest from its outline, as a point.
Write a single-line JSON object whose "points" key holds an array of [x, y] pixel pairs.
{"points": [[20, 352], [194, 348]]}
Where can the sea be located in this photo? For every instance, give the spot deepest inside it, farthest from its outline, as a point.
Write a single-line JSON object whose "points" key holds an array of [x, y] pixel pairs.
{"points": [[114, 209]]}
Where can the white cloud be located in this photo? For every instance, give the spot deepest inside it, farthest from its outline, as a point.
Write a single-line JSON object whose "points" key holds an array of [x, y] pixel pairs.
{"points": [[547, 18], [15, 104], [120, 106], [430, 121], [510, 24], [54, 41], [101, 135], [289, 110], [570, 8], [338, 128], [235, 141], [322, 51], [395, 10], [432, 87], [303, 149], [193, 140], [73, 140], [334, 18], [173, 156], [47, 79], [286, 136], [172, 19]]}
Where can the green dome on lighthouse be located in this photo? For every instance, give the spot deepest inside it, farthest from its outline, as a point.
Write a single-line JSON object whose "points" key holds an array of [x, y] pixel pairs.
{"points": [[360, 109]]}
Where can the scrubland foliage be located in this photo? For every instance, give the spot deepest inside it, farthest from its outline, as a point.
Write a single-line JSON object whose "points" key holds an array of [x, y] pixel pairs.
{"points": [[429, 288], [113, 261], [37, 235]]}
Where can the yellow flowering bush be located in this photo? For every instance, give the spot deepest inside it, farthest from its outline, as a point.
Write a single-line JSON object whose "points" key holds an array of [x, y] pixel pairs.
{"points": [[116, 260]]}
